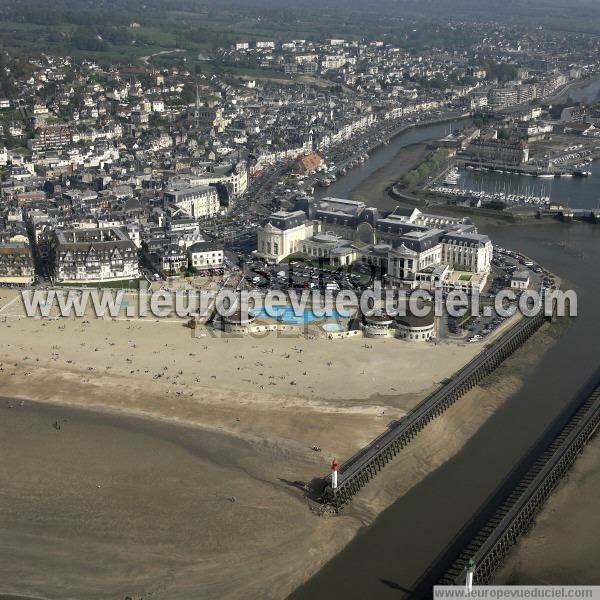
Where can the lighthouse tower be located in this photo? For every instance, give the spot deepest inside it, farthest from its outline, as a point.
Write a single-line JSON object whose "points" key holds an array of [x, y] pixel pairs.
{"points": [[334, 474], [469, 579]]}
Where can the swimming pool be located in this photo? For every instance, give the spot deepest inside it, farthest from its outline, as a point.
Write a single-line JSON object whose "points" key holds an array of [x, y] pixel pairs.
{"points": [[332, 327], [286, 314]]}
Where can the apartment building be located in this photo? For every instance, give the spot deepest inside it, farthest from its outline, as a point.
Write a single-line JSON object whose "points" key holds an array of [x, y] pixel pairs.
{"points": [[500, 151], [16, 263], [205, 255], [201, 201]]}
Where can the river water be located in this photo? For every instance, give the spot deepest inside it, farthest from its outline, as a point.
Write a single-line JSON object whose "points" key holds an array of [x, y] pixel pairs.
{"points": [[384, 154], [388, 559]]}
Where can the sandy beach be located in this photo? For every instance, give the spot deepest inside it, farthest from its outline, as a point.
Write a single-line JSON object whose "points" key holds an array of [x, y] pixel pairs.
{"points": [[185, 475]]}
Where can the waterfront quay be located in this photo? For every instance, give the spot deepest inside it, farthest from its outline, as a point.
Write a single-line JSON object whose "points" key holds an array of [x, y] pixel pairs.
{"points": [[356, 152]]}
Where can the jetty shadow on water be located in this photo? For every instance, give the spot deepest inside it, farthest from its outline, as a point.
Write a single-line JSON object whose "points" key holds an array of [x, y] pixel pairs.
{"points": [[408, 539], [452, 551]]}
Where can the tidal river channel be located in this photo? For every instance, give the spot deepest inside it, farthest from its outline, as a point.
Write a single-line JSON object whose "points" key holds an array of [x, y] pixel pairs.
{"points": [[388, 559]]}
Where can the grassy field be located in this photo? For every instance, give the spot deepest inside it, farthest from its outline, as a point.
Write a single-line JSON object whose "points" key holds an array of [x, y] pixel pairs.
{"points": [[28, 38]]}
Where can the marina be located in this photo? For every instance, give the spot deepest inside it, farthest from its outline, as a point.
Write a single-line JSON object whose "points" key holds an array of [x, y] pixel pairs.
{"points": [[480, 186], [383, 154]]}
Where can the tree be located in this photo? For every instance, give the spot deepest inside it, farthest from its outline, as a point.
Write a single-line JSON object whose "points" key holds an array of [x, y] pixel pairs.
{"points": [[188, 94], [501, 71], [85, 38]]}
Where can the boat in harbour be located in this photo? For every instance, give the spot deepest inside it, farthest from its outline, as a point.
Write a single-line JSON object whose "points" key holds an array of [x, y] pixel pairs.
{"points": [[452, 177]]}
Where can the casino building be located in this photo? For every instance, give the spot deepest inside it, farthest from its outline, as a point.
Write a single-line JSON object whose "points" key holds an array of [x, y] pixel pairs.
{"points": [[411, 248], [416, 328], [283, 234]]}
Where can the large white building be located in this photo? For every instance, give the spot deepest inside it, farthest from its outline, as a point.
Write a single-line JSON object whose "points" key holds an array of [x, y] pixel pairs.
{"points": [[282, 235], [201, 201], [205, 255], [430, 255], [412, 248], [233, 176], [417, 251], [330, 248], [503, 97], [470, 252]]}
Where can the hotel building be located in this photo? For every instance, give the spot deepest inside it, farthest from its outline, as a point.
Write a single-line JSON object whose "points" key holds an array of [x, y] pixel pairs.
{"points": [[411, 248], [205, 255], [16, 263], [93, 255], [201, 201]]}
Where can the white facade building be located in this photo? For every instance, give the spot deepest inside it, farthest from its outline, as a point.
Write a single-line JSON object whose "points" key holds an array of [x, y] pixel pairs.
{"points": [[282, 235], [329, 247], [416, 329], [201, 201], [426, 256], [93, 255], [205, 255], [234, 177], [417, 251], [467, 252], [520, 280]]}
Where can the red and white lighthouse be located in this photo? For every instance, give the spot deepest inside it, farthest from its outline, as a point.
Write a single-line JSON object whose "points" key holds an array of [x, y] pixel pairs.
{"points": [[334, 473]]}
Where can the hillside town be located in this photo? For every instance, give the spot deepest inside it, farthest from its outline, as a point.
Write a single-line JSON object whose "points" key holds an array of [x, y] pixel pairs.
{"points": [[297, 300], [113, 173]]}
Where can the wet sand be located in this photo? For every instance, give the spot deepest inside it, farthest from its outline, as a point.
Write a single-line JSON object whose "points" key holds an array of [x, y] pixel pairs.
{"points": [[107, 507], [135, 496], [113, 504], [563, 546]]}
